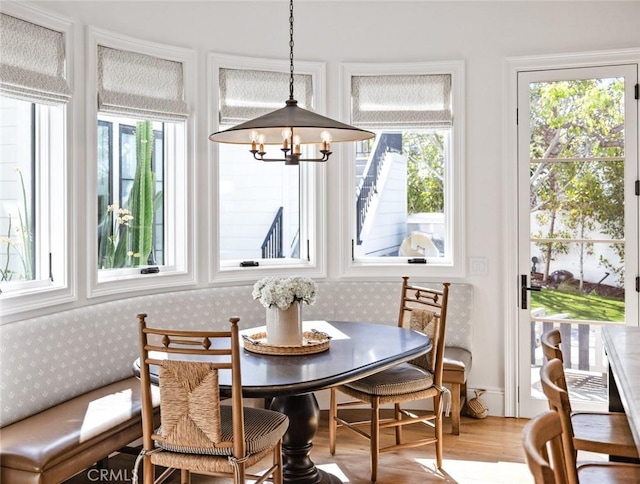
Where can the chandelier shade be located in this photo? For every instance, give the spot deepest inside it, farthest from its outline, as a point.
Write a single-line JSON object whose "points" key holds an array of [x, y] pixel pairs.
{"points": [[290, 127], [306, 124]]}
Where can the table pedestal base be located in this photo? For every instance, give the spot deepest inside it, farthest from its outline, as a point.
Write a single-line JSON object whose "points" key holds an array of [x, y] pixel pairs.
{"points": [[303, 413]]}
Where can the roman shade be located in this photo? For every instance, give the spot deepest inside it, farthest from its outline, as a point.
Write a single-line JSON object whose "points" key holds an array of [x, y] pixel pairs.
{"points": [[246, 94], [32, 62], [401, 101], [140, 86]]}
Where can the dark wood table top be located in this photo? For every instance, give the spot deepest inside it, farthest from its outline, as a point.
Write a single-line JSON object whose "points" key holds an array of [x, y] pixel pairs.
{"points": [[622, 344], [356, 350]]}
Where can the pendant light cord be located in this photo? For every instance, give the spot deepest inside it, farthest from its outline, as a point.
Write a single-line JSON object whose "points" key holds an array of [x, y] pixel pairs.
{"points": [[291, 50]]}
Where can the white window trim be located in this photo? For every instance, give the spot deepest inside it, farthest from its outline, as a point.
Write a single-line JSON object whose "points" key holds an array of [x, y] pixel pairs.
{"points": [[313, 176], [101, 283], [42, 294], [381, 267]]}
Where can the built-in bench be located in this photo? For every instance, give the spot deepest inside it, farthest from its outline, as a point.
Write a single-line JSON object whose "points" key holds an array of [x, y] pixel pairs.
{"points": [[68, 396], [57, 443]]}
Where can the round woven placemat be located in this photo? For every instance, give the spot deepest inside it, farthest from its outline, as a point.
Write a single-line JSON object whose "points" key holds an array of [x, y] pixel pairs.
{"points": [[313, 342]]}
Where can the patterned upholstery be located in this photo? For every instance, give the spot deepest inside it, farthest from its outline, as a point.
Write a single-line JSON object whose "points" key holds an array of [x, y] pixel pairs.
{"points": [[262, 430], [404, 378], [101, 340]]}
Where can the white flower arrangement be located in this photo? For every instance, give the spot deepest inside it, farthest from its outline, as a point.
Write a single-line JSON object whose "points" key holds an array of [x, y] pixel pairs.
{"points": [[282, 292]]}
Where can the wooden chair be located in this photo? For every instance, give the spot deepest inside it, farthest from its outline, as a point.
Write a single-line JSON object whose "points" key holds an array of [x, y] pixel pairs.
{"points": [[197, 434], [603, 432], [552, 377], [542, 442], [424, 310]]}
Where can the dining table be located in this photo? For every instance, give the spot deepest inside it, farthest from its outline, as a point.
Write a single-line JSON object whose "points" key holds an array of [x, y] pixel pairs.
{"points": [[622, 345], [288, 381]]}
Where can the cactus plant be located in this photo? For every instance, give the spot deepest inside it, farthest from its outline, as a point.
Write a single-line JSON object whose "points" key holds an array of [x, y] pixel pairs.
{"points": [[141, 196], [126, 234]]}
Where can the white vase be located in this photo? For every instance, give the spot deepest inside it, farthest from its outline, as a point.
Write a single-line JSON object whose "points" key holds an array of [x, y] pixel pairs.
{"points": [[284, 327]]}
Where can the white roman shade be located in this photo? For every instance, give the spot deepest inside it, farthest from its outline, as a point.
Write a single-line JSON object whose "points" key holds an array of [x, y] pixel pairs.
{"points": [[246, 94], [402, 101], [32, 62], [140, 86]]}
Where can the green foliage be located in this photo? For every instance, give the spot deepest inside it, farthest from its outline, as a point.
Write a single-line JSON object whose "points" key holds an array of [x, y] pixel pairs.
{"points": [[114, 238], [141, 196], [578, 305], [425, 171], [126, 234], [577, 119]]}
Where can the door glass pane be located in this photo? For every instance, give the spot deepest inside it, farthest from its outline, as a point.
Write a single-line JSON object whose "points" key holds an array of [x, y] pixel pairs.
{"points": [[576, 170]]}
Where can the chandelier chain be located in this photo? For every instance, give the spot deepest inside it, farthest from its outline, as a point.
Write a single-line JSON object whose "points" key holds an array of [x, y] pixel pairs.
{"points": [[291, 49]]}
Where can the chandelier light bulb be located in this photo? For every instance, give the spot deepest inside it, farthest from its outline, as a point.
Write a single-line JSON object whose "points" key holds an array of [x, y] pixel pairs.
{"points": [[286, 134], [325, 136], [254, 140]]}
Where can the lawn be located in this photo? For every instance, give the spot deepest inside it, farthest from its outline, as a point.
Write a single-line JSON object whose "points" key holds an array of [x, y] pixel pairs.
{"points": [[579, 306]]}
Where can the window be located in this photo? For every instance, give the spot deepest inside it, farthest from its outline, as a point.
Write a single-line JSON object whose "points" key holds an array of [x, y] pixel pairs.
{"points": [[28, 244], [405, 196], [276, 225], [34, 246], [118, 180], [142, 202]]}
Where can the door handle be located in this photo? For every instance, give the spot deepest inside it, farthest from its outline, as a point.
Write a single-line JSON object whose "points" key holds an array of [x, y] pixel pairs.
{"points": [[523, 291]]}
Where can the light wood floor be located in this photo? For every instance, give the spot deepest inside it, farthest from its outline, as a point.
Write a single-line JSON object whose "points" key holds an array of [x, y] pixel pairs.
{"points": [[486, 451]]}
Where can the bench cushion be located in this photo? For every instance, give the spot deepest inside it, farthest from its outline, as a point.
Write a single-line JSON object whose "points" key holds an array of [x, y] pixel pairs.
{"points": [[53, 445], [457, 365]]}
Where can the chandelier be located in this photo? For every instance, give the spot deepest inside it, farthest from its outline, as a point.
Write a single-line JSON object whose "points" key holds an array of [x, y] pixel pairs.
{"points": [[291, 127]]}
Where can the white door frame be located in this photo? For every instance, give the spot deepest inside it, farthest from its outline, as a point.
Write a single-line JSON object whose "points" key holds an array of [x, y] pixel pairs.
{"points": [[512, 66]]}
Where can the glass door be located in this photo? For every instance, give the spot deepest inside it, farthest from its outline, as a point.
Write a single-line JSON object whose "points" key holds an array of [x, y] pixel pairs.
{"points": [[578, 221]]}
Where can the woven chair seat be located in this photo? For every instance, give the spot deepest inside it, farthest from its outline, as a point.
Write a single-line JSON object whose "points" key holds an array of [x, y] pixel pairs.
{"points": [[398, 380], [203, 463], [262, 430]]}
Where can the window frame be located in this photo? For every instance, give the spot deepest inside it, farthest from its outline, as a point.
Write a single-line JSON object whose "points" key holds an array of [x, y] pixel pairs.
{"points": [[380, 267], [37, 294], [179, 181], [312, 181]]}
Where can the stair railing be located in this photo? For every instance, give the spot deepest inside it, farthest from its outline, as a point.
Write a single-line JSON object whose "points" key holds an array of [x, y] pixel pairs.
{"points": [[272, 244], [368, 185]]}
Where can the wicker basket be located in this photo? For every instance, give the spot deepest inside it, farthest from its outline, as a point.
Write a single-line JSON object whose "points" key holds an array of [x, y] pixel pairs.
{"points": [[477, 408], [313, 342]]}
